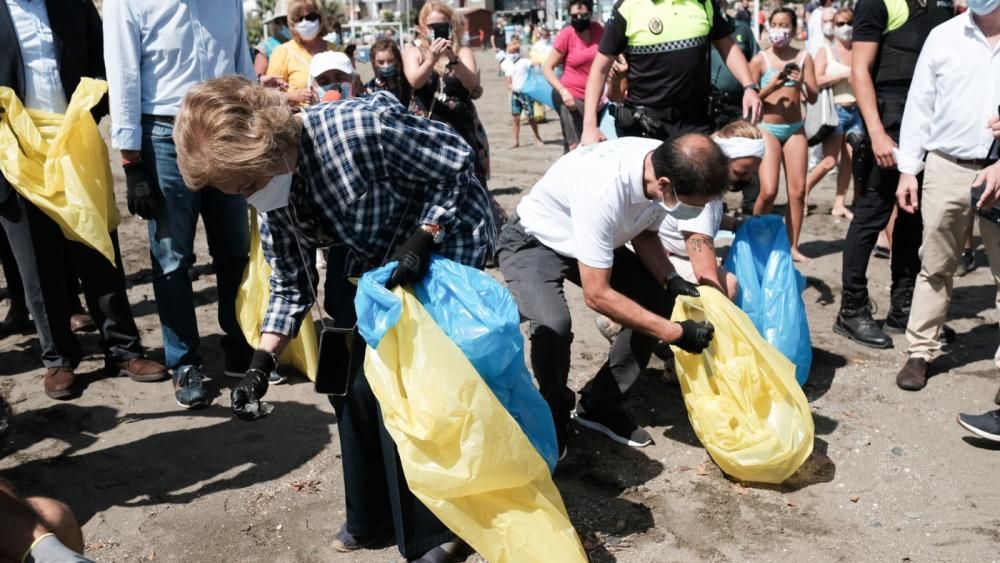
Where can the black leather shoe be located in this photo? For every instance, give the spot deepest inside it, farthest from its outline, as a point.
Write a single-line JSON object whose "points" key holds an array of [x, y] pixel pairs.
{"points": [[16, 324], [855, 322]]}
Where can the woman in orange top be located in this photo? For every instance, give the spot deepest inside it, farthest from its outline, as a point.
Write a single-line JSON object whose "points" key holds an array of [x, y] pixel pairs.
{"points": [[290, 61]]}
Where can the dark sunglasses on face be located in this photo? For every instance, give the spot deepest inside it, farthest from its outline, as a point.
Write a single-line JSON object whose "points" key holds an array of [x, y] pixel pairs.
{"points": [[842, 24], [580, 16], [310, 17]]}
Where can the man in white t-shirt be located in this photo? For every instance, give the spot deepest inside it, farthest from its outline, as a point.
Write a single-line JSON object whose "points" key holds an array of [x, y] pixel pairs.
{"points": [[691, 242], [574, 225]]}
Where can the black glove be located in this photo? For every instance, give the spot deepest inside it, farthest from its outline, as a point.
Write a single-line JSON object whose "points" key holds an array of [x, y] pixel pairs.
{"points": [[695, 336], [144, 197], [246, 396], [676, 285], [414, 259]]}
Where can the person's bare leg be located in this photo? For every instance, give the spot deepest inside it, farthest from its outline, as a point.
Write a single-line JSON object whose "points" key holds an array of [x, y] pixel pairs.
{"points": [[831, 149], [517, 131], [534, 129], [58, 517], [770, 170], [843, 182], [796, 152]]}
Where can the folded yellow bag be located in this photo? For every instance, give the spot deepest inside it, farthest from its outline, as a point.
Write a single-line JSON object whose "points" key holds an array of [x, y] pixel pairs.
{"points": [[251, 306], [741, 395], [59, 163], [463, 455]]}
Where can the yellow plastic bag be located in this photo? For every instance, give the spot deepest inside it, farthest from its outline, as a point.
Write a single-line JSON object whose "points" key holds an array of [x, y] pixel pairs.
{"points": [[741, 395], [251, 305], [463, 455], [60, 164]]}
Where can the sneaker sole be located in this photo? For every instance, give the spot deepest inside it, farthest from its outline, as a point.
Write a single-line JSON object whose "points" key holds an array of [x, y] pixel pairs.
{"points": [[977, 432], [608, 432], [847, 335], [193, 405]]}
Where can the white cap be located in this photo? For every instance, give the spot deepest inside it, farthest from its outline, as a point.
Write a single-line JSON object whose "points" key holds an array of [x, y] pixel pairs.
{"points": [[330, 60], [280, 11]]}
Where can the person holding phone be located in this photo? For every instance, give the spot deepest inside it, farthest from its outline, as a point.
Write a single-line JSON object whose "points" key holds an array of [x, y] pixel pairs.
{"points": [[944, 137], [787, 80], [362, 174]]}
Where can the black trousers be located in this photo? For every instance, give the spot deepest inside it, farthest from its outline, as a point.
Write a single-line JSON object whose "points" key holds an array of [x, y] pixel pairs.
{"points": [[664, 130], [15, 289], [42, 254], [873, 207], [536, 274], [375, 488]]}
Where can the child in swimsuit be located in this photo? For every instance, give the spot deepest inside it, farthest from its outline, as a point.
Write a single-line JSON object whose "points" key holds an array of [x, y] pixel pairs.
{"points": [[787, 80]]}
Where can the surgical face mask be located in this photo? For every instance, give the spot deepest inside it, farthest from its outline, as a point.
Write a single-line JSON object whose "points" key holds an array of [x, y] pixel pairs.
{"points": [[828, 29], [345, 90], [307, 30], [581, 23], [272, 196], [983, 7], [681, 211], [846, 32], [284, 34], [387, 70], [335, 38], [779, 36]]}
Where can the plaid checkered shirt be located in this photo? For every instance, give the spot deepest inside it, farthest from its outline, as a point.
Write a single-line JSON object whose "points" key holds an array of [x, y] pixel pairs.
{"points": [[369, 174]]}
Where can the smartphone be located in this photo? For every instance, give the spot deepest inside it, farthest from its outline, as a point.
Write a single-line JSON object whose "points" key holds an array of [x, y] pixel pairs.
{"points": [[337, 360], [441, 30], [790, 67]]}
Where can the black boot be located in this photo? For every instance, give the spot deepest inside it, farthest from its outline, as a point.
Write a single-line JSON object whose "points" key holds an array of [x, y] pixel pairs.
{"points": [[899, 309], [855, 321]]}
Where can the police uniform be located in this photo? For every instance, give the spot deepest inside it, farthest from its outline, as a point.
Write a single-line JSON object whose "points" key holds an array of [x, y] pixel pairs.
{"points": [[900, 28], [666, 43]]}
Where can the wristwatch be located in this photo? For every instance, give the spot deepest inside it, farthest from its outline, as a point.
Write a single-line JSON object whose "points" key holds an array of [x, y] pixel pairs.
{"points": [[751, 86]]}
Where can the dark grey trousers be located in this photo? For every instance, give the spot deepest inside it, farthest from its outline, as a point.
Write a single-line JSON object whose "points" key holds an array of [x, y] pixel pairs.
{"points": [[536, 274]]}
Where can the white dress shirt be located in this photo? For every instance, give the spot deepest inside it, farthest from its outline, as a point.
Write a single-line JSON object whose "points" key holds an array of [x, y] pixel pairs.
{"points": [[43, 88], [155, 50], [955, 89], [592, 201]]}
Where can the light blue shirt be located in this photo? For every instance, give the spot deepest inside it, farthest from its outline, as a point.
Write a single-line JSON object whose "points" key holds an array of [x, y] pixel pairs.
{"points": [[155, 50], [43, 88]]}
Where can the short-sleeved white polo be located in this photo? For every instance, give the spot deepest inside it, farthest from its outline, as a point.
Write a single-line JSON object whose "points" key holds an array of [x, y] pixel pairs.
{"points": [[593, 201]]}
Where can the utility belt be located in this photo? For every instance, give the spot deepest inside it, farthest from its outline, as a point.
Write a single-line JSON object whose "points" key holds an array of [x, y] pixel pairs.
{"points": [[724, 103], [654, 121]]}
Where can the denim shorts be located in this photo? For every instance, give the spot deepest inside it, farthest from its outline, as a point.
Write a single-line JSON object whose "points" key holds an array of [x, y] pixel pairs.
{"points": [[850, 120], [520, 103]]}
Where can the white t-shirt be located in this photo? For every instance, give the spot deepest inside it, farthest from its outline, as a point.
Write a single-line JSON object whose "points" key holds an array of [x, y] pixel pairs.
{"points": [[706, 223], [593, 201], [517, 71]]}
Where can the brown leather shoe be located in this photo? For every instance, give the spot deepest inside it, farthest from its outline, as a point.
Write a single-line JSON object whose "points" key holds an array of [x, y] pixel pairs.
{"points": [[81, 322], [913, 376], [143, 370], [59, 383]]}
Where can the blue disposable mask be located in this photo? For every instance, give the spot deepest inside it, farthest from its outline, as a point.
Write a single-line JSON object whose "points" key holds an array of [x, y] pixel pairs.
{"points": [[983, 7], [387, 70], [334, 38], [345, 90], [681, 211]]}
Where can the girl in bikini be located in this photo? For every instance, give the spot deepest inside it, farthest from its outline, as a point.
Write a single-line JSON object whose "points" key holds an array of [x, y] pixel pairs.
{"points": [[787, 80]]}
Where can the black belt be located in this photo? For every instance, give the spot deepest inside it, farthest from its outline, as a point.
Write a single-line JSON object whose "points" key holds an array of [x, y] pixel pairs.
{"points": [[669, 113], [159, 118]]}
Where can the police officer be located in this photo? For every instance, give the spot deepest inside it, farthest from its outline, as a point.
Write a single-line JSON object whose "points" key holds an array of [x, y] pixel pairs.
{"points": [[666, 45], [888, 36], [726, 93]]}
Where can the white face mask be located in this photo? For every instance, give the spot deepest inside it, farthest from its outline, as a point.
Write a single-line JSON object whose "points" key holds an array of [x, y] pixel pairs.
{"points": [[681, 211], [828, 29], [307, 30], [274, 195], [844, 32]]}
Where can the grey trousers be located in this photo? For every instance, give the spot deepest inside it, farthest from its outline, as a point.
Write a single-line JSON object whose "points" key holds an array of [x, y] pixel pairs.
{"points": [[536, 275]]}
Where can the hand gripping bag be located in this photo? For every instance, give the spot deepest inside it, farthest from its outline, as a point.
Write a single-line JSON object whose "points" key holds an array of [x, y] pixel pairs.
{"points": [[59, 163], [472, 461], [252, 299], [741, 395], [770, 289]]}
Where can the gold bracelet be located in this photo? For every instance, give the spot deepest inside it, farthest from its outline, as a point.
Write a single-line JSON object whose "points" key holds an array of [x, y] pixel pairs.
{"points": [[33, 544]]}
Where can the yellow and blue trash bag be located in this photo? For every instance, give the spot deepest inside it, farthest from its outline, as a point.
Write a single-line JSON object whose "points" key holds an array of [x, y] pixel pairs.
{"points": [[59, 163], [475, 438], [741, 395], [251, 305]]}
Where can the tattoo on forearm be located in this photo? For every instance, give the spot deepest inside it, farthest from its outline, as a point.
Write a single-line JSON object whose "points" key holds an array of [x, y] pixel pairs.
{"points": [[700, 242]]}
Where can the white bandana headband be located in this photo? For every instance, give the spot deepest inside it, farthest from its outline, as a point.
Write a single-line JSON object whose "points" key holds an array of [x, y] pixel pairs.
{"points": [[740, 147]]}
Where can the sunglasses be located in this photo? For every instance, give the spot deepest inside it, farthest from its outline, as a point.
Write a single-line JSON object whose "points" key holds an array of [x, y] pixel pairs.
{"points": [[585, 16], [310, 17], [842, 24]]}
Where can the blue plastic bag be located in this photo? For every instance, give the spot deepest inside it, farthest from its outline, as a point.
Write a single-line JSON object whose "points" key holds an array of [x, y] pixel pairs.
{"points": [[770, 289], [479, 315], [537, 88]]}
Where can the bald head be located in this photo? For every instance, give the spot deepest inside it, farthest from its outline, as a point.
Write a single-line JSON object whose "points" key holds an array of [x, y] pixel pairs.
{"points": [[695, 165]]}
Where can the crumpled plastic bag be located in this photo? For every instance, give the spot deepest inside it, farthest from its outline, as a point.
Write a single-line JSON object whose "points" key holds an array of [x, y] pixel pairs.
{"points": [[741, 395], [59, 163], [251, 306], [464, 455], [770, 289]]}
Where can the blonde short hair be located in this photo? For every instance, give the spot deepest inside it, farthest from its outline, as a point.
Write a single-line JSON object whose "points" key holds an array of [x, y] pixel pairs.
{"points": [[739, 128], [232, 128]]}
